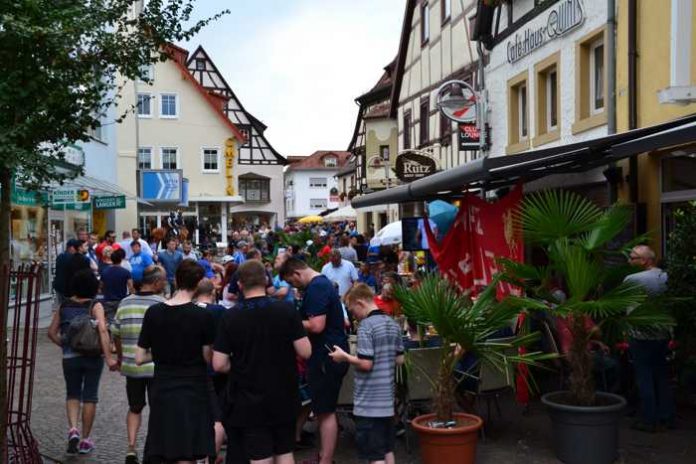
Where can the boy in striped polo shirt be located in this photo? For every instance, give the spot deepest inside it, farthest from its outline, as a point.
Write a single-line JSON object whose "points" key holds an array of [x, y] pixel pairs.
{"points": [[126, 330], [380, 349]]}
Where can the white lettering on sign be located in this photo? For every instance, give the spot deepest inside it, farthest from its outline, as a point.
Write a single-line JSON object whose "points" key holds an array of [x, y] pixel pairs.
{"points": [[413, 167], [562, 18]]}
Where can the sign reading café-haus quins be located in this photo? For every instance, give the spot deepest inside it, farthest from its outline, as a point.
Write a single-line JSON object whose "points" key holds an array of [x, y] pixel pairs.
{"points": [[561, 19]]}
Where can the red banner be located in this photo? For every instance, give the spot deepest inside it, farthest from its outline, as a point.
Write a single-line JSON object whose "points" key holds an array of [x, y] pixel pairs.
{"points": [[481, 233]]}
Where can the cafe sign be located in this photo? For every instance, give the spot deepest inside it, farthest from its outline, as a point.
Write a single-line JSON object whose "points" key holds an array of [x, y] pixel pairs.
{"points": [[412, 166], [562, 18]]}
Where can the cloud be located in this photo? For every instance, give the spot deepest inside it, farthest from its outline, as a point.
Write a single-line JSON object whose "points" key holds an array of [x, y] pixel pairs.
{"points": [[301, 71]]}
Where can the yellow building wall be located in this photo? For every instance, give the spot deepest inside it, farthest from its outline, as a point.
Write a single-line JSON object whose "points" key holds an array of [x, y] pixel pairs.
{"points": [[653, 74]]}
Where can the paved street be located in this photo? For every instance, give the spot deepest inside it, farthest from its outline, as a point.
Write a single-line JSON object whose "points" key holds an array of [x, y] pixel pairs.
{"points": [[512, 439]]}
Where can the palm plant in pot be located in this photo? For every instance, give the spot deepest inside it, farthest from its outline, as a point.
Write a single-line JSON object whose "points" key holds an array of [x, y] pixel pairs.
{"points": [[585, 258], [466, 327]]}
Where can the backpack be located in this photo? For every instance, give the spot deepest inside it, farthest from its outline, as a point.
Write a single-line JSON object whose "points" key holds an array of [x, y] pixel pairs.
{"points": [[82, 335]]}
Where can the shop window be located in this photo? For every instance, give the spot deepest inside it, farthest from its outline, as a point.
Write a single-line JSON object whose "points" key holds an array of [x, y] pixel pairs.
{"points": [[518, 114], [547, 100], [145, 158], [317, 203], [169, 158], [590, 82], [407, 130], [424, 121], [211, 160], [255, 190], [317, 182], [144, 105], [425, 23], [169, 105]]}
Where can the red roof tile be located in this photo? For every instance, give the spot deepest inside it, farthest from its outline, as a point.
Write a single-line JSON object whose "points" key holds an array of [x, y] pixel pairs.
{"points": [[315, 161]]}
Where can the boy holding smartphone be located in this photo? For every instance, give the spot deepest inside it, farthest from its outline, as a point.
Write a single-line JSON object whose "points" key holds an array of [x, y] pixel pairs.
{"points": [[380, 349]]}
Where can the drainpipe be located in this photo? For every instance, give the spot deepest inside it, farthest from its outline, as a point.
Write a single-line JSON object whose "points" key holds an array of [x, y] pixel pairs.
{"points": [[633, 92], [611, 86]]}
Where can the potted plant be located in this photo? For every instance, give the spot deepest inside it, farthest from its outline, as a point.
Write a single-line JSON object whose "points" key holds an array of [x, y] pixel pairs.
{"points": [[465, 326], [587, 257]]}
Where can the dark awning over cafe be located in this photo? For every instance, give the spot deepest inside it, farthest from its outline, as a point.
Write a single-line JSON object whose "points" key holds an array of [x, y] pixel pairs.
{"points": [[501, 171]]}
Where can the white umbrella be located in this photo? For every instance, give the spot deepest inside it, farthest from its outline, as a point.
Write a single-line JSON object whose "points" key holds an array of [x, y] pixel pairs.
{"points": [[388, 235], [347, 213]]}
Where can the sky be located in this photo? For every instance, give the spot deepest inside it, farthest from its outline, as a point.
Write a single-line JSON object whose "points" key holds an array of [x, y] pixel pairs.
{"points": [[298, 65]]}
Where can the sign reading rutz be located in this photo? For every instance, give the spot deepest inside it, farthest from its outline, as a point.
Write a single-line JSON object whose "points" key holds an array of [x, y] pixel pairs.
{"points": [[161, 185], [561, 19], [412, 166]]}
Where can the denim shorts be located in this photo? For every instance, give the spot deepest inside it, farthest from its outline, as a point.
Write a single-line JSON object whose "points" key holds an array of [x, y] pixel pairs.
{"points": [[375, 437], [82, 374]]}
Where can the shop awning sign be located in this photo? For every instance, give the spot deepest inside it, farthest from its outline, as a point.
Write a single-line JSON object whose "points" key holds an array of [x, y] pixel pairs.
{"points": [[66, 196], [458, 101], [161, 186], [110, 202], [412, 166]]}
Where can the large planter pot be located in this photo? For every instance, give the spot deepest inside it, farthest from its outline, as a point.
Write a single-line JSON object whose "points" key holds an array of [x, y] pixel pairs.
{"points": [[448, 446], [585, 434]]}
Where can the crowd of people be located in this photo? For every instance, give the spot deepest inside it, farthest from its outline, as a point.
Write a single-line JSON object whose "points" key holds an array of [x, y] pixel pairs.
{"points": [[240, 346]]}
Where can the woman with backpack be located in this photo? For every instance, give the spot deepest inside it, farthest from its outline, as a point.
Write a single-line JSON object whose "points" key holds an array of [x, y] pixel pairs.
{"points": [[79, 328]]}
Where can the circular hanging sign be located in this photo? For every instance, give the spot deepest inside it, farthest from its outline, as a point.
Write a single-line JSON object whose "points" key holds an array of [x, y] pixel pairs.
{"points": [[458, 101]]}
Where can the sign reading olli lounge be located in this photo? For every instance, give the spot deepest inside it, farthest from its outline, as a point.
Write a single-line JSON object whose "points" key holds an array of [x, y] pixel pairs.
{"points": [[412, 166], [561, 19]]}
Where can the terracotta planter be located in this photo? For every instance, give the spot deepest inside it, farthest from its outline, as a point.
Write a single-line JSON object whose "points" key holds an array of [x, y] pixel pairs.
{"points": [[448, 446]]}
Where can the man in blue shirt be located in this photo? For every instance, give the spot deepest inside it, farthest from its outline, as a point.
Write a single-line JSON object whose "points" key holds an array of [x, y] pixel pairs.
{"points": [[170, 258], [139, 261], [323, 314], [284, 290]]}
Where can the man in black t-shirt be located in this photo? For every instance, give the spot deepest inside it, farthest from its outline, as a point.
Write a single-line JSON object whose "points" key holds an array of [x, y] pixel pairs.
{"points": [[324, 321], [256, 344]]}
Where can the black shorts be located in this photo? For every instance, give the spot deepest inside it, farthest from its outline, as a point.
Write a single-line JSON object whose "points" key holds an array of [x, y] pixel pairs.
{"points": [[375, 437], [325, 382], [136, 390], [257, 443]]}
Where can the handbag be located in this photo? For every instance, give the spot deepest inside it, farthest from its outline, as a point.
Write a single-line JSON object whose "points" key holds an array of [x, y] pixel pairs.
{"points": [[83, 334]]}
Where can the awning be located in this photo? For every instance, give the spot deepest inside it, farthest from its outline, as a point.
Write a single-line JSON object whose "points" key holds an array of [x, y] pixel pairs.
{"points": [[97, 187], [494, 172], [220, 199]]}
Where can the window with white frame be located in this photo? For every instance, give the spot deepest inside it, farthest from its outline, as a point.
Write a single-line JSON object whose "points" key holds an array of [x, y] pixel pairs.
{"points": [[523, 123], [145, 158], [144, 105], [317, 203], [146, 73], [211, 160], [169, 158], [330, 162], [551, 100], [168, 105], [317, 182], [597, 77]]}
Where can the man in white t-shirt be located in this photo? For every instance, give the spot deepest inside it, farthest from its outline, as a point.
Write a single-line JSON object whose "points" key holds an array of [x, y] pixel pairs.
{"points": [[340, 271]]}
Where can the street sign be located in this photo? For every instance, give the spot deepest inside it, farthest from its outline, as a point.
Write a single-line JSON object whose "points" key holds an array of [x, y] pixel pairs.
{"points": [[161, 186], [63, 196], [111, 202]]}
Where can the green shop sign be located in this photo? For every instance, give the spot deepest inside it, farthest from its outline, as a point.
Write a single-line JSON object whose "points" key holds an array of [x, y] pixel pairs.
{"points": [[114, 202], [21, 197], [72, 207]]}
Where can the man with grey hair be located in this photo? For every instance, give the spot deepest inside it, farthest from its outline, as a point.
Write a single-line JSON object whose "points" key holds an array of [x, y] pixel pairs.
{"points": [[649, 349], [126, 331]]}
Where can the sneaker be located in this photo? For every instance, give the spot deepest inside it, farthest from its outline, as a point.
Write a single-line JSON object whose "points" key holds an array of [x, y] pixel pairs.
{"points": [[132, 458], [86, 446], [73, 441]]}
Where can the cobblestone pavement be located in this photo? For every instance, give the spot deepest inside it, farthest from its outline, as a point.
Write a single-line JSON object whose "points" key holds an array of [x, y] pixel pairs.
{"points": [[514, 438]]}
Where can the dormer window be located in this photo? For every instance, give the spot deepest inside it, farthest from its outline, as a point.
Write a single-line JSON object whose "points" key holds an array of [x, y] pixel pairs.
{"points": [[330, 162]]}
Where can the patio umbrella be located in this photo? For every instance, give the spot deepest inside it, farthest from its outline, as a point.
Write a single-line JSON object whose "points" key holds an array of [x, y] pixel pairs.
{"points": [[389, 235], [443, 215], [347, 213], [311, 219]]}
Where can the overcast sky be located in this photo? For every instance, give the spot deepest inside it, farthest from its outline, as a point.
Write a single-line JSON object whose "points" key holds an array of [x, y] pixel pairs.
{"points": [[298, 65]]}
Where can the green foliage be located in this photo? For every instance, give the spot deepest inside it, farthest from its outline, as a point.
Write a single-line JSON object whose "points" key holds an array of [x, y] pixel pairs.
{"points": [[681, 266], [576, 235], [469, 325], [61, 61]]}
